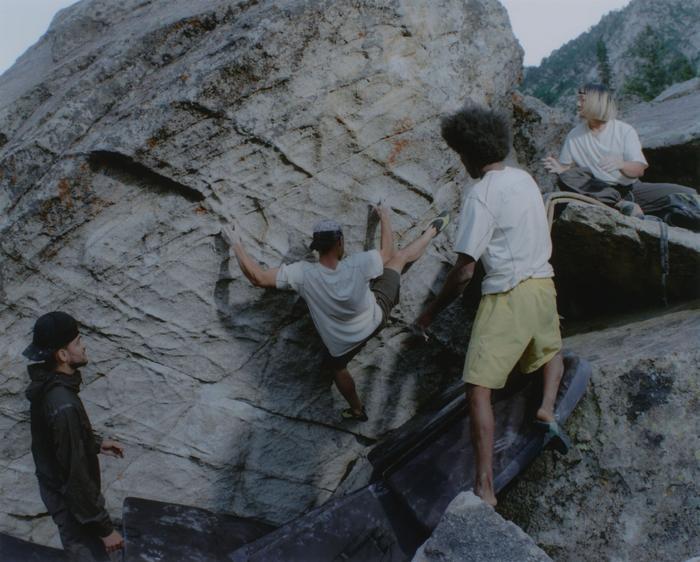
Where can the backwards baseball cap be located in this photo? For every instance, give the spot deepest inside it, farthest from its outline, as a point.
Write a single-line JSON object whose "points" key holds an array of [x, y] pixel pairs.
{"points": [[52, 331], [326, 232]]}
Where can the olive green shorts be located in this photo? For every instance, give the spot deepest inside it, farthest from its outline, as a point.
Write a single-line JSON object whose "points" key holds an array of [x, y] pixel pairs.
{"points": [[518, 327]]}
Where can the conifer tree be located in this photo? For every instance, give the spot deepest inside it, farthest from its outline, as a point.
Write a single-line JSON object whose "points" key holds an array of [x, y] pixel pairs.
{"points": [[604, 73]]}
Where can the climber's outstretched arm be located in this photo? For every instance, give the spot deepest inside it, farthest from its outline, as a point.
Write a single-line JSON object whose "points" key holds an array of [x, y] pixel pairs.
{"points": [[259, 277]]}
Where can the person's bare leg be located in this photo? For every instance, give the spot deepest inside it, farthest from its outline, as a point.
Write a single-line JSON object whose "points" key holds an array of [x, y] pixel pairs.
{"points": [[553, 372], [411, 252], [482, 430], [346, 386]]}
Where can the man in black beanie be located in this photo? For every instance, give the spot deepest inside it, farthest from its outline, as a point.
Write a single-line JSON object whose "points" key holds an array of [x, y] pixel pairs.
{"points": [[64, 446]]}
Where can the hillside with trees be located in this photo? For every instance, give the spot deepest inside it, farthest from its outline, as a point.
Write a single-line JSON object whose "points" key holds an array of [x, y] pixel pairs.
{"points": [[638, 51]]}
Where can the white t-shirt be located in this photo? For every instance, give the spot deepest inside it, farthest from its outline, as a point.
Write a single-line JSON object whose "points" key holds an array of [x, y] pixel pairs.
{"points": [[586, 148], [503, 223], [342, 306]]}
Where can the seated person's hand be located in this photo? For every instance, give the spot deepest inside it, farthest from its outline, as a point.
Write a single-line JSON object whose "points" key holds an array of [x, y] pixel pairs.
{"points": [[553, 166]]}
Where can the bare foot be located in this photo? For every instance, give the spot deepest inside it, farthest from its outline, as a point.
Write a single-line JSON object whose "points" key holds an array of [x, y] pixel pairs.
{"points": [[487, 496], [483, 487], [545, 415]]}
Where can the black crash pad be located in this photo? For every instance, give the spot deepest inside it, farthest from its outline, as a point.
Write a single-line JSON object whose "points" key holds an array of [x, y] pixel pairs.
{"points": [[419, 469], [17, 550], [444, 463], [157, 531], [370, 524]]}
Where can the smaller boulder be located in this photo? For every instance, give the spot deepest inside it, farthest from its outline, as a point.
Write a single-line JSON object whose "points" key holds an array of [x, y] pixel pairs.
{"points": [[670, 133], [471, 530], [606, 262]]}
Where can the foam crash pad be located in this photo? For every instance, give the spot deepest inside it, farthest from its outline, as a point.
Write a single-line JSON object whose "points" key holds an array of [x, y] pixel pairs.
{"points": [[370, 524], [17, 550], [157, 531], [419, 469], [443, 462]]}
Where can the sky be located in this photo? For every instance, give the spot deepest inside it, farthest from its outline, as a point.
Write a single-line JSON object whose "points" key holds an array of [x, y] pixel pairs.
{"points": [[540, 25]]}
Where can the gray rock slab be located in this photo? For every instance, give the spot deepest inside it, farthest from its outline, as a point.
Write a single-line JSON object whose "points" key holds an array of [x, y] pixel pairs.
{"points": [[629, 490], [678, 90], [668, 122], [669, 129], [471, 530]]}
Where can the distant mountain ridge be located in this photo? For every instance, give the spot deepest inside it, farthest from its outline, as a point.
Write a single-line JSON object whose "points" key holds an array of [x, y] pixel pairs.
{"points": [[646, 46]]}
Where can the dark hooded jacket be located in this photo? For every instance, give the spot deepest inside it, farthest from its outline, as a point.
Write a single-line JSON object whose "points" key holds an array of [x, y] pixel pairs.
{"points": [[65, 448]]}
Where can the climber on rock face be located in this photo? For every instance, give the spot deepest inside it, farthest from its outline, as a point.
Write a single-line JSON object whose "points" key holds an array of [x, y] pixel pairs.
{"points": [[503, 223], [349, 299], [64, 445]]}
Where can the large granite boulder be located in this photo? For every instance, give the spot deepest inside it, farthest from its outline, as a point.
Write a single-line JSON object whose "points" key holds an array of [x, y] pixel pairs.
{"points": [[630, 487], [130, 133], [471, 531], [669, 129]]}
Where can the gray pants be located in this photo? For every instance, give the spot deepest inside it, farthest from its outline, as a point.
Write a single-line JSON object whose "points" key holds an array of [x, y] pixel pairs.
{"points": [[649, 196], [78, 544]]}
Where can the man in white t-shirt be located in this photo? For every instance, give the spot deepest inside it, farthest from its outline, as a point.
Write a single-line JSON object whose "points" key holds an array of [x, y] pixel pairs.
{"points": [[349, 299], [503, 224]]}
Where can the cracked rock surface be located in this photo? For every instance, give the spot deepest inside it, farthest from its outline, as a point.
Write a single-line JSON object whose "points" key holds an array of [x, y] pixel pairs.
{"points": [[130, 133], [629, 490]]}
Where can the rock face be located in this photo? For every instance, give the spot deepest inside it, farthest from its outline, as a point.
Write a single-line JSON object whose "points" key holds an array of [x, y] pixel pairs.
{"points": [[130, 133], [606, 262], [472, 531], [538, 131], [630, 488], [670, 133]]}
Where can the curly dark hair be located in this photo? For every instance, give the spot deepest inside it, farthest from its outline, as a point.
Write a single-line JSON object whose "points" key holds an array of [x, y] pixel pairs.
{"points": [[479, 135]]}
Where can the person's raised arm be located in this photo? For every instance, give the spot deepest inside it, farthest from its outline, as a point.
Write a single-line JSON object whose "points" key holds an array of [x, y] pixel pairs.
{"points": [[259, 277], [386, 244], [456, 281]]}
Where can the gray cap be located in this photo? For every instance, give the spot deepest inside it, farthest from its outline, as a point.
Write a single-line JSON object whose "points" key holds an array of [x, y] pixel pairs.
{"points": [[327, 225], [326, 232]]}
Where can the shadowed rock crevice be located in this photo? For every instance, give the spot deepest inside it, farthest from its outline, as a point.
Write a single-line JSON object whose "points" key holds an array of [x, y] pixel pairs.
{"points": [[127, 170], [674, 164]]}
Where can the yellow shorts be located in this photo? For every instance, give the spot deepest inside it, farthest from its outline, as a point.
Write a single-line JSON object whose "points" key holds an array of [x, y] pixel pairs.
{"points": [[519, 327]]}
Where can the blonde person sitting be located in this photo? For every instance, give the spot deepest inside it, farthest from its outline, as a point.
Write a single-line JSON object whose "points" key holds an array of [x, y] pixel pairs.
{"points": [[602, 158]]}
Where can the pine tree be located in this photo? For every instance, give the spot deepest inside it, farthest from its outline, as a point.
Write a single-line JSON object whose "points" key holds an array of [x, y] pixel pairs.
{"points": [[658, 65], [604, 73]]}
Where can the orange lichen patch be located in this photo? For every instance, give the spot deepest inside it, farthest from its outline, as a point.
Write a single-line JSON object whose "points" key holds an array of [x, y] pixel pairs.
{"points": [[403, 125], [399, 145], [64, 193], [200, 210]]}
